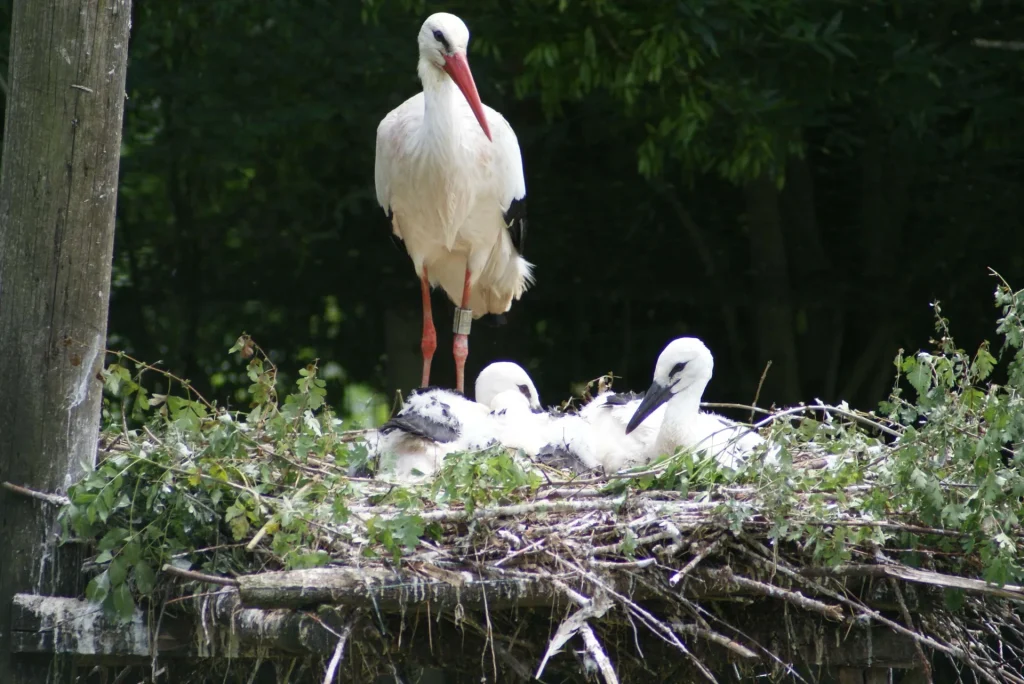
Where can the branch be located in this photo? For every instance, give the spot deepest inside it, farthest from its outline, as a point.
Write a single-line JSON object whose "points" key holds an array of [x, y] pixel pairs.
{"points": [[720, 639], [726, 575], [199, 576], [903, 572], [705, 552], [338, 650], [594, 648], [53, 499]]}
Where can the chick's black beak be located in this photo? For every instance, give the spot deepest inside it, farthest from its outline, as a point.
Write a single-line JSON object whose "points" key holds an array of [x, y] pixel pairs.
{"points": [[657, 395]]}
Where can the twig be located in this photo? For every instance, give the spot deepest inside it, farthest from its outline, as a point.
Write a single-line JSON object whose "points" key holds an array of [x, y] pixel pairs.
{"points": [[503, 653], [745, 407], [53, 499], [921, 658], [760, 384], [654, 624], [595, 607], [597, 651], [720, 639], [826, 409], [905, 573], [338, 650], [81, 87], [642, 541], [623, 564], [704, 553], [726, 575], [543, 506], [167, 374], [199, 576]]}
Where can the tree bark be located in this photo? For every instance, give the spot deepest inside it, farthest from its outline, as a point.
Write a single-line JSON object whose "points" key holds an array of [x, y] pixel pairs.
{"points": [[58, 191]]}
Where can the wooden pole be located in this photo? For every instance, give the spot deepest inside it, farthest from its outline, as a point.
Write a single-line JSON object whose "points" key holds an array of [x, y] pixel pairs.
{"points": [[58, 192]]}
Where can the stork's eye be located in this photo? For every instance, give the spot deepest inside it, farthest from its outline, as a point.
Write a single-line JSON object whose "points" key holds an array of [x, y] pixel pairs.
{"points": [[525, 390], [439, 37], [677, 369]]}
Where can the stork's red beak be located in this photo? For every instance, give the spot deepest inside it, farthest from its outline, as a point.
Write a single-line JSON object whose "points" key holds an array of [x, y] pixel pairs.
{"points": [[458, 68]]}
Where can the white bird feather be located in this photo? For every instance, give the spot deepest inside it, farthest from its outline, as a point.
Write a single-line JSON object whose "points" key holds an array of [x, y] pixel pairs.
{"points": [[447, 187]]}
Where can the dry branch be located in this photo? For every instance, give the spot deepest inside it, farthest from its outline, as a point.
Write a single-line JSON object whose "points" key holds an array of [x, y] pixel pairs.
{"points": [[727, 576], [909, 574], [53, 499]]}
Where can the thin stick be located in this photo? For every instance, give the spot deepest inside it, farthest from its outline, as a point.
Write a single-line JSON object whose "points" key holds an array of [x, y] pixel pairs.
{"points": [[720, 639], [705, 552], [796, 598], [199, 576], [53, 499], [921, 658], [760, 383], [604, 664], [745, 407], [336, 658], [827, 409]]}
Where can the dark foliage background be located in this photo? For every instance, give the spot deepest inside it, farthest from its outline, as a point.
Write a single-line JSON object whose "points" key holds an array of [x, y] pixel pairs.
{"points": [[790, 181]]}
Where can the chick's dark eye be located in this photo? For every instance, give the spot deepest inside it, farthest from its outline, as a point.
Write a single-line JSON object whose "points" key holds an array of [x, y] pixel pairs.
{"points": [[525, 390], [677, 369]]}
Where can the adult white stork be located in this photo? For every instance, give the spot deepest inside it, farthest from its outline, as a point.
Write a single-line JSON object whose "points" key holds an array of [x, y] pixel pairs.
{"points": [[448, 172]]}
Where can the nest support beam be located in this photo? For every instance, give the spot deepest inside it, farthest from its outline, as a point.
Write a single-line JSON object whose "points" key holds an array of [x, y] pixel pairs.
{"points": [[221, 627]]}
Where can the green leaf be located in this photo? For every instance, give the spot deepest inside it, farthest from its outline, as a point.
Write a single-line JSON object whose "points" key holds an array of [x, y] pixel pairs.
{"points": [[118, 570], [124, 604], [98, 588], [113, 538], [920, 376], [145, 578]]}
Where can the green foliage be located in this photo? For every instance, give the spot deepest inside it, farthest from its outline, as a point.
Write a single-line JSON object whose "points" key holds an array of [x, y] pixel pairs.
{"points": [[202, 487], [490, 477], [959, 464]]}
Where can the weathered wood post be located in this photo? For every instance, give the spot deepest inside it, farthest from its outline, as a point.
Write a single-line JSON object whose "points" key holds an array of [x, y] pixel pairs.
{"points": [[58, 191]]}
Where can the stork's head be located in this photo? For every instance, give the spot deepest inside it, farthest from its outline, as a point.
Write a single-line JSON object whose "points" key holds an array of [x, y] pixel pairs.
{"points": [[685, 365], [503, 376], [443, 41]]}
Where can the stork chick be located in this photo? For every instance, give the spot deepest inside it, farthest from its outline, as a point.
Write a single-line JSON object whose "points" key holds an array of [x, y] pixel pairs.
{"points": [[682, 372]]}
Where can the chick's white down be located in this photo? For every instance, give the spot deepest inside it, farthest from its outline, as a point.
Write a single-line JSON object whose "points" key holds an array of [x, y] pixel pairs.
{"points": [[681, 373]]}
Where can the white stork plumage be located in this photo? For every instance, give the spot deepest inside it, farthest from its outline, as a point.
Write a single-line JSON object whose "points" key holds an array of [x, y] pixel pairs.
{"points": [[448, 171], [682, 372], [436, 422]]}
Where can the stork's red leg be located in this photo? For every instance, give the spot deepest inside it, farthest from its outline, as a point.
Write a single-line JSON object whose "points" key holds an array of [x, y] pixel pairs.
{"points": [[460, 346], [429, 342]]}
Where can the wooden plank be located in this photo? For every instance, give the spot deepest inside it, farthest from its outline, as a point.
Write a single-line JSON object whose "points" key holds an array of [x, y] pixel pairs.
{"points": [[389, 591], [47, 624], [58, 192], [229, 630]]}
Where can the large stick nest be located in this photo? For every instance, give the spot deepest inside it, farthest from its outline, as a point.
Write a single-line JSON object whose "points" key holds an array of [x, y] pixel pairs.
{"points": [[875, 542]]}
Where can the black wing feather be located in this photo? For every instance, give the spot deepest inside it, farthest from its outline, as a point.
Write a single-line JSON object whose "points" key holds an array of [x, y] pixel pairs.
{"points": [[421, 426], [515, 220], [622, 398], [560, 456]]}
